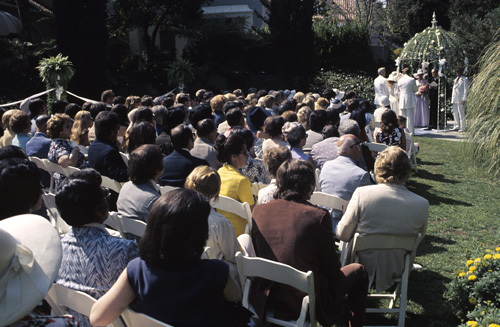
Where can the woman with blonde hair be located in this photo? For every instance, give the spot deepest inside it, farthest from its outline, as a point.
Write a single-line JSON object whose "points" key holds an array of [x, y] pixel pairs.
{"points": [[80, 130], [222, 243]]}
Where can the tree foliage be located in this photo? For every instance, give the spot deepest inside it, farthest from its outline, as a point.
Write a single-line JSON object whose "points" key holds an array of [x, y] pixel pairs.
{"points": [[475, 23], [343, 47], [176, 16], [290, 24]]}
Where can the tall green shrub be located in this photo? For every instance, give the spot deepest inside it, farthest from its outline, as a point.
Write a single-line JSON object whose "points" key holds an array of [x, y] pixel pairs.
{"points": [[55, 72], [345, 47]]}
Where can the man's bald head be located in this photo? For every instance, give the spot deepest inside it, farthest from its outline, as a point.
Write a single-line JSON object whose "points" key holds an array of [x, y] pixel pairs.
{"points": [[349, 145]]}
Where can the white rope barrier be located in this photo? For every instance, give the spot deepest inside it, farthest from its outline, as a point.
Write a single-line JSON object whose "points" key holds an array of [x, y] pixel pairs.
{"points": [[21, 101], [81, 98]]}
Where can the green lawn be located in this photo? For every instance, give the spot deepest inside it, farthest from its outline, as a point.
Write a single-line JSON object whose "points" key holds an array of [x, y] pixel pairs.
{"points": [[464, 212]]}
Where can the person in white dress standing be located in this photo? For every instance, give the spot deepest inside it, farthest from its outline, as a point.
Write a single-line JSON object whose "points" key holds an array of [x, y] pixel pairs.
{"points": [[407, 87], [458, 97], [392, 85], [380, 85]]}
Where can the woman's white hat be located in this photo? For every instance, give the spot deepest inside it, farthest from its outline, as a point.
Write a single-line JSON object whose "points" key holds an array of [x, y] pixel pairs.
{"points": [[30, 257], [338, 94], [419, 72]]}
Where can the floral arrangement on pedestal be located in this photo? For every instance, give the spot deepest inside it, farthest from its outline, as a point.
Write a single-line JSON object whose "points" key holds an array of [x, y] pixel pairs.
{"points": [[475, 291]]}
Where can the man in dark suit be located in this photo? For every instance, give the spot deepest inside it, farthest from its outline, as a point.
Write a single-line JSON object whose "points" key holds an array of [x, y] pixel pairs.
{"points": [[104, 155], [180, 163]]}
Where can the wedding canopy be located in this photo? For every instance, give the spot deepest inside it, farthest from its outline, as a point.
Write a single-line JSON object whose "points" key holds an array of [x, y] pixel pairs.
{"points": [[434, 47]]}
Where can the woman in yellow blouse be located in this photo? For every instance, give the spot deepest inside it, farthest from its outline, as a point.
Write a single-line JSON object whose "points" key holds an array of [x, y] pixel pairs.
{"points": [[232, 151]]}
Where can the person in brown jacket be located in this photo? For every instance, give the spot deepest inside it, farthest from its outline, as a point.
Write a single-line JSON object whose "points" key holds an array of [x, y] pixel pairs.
{"points": [[292, 231]]}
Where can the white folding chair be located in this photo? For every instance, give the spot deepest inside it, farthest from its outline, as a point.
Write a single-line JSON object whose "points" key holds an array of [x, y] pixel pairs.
{"points": [[377, 147], [231, 205], [390, 242], [125, 225], [49, 200], [317, 172], [124, 157], [62, 298], [52, 167], [411, 151], [166, 189], [328, 200], [256, 187], [133, 319], [249, 267], [111, 184]]}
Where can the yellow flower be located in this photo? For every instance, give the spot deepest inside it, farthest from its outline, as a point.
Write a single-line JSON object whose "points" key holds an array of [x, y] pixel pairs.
{"points": [[488, 251], [473, 301], [461, 274], [469, 262], [489, 270], [472, 277], [472, 268], [472, 323], [487, 257], [493, 325], [496, 256], [497, 249], [477, 260]]}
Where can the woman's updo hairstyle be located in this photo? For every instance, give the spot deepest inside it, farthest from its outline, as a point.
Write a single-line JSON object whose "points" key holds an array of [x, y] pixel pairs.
{"points": [[227, 146], [205, 180]]}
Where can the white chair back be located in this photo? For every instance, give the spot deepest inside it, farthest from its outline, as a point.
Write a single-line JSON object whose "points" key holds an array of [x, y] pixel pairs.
{"points": [[133, 319], [328, 200], [317, 172], [166, 189], [249, 267], [49, 200], [231, 205], [256, 187], [125, 225], [409, 243], [124, 157], [62, 298], [111, 184], [377, 147], [410, 151]]}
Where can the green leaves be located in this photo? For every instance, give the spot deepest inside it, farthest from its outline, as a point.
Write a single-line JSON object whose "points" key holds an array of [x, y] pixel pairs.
{"points": [[56, 69]]}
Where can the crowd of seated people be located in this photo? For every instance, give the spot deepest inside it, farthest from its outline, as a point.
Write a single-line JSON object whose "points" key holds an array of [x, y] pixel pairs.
{"points": [[212, 145]]}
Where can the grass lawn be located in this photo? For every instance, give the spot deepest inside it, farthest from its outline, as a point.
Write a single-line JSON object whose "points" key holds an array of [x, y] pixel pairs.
{"points": [[464, 212]]}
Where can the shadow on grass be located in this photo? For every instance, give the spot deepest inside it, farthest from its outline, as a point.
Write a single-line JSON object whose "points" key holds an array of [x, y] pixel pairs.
{"points": [[424, 174], [424, 191], [426, 289], [428, 163], [432, 244]]}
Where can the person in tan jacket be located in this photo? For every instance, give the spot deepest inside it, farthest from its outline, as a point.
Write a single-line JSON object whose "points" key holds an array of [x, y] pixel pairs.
{"points": [[386, 208]]}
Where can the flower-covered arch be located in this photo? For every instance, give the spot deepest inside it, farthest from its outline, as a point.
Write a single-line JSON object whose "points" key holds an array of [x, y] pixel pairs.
{"points": [[433, 47]]}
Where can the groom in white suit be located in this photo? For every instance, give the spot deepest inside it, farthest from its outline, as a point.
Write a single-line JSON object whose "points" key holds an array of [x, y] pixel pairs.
{"points": [[407, 87], [380, 85], [458, 97]]}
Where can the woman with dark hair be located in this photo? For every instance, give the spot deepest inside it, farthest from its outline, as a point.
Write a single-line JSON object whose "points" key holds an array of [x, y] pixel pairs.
{"points": [[272, 127], [140, 133], [222, 243], [169, 281], [359, 116], [390, 133], [232, 151], [92, 259], [254, 170], [137, 196], [292, 231]]}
